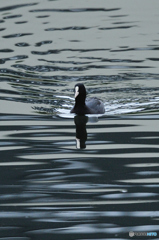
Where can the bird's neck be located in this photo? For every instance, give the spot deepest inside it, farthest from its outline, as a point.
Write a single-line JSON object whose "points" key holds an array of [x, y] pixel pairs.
{"points": [[80, 101]]}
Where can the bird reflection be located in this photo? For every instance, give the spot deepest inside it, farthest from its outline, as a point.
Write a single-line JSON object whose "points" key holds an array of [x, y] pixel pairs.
{"points": [[81, 132]]}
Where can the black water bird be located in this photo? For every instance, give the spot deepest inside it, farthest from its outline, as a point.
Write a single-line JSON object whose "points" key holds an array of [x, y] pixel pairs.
{"points": [[86, 106]]}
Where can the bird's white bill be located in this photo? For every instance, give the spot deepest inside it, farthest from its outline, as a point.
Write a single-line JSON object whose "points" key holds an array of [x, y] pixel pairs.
{"points": [[76, 91]]}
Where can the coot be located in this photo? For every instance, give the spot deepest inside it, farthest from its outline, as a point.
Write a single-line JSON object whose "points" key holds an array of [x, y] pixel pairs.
{"points": [[86, 106]]}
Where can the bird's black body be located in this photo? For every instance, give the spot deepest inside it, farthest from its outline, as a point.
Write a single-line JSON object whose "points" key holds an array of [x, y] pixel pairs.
{"points": [[86, 106]]}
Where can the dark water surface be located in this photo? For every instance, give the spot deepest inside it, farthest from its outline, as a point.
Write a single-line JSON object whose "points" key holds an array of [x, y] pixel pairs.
{"points": [[50, 187]]}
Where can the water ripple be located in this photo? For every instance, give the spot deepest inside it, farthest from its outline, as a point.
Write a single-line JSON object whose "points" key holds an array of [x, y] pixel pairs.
{"points": [[12, 7], [42, 43], [17, 35], [12, 16], [3, 60], [77, 10]]}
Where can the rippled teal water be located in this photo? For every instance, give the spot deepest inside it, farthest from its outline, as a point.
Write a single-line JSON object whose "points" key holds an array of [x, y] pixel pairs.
{"points": [[50, 188]]}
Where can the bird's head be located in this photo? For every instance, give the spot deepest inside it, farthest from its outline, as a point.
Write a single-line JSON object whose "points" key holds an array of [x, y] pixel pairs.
{"points": [[80, 92]]}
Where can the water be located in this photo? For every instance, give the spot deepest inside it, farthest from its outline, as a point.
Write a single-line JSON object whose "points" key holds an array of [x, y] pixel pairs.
{"points": [[50, 187]]}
